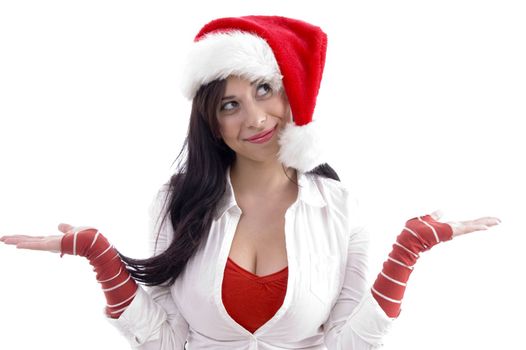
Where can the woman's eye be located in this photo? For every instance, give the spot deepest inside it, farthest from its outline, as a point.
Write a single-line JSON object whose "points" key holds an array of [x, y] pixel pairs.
{"points": [[228, 106], [264, 89]]}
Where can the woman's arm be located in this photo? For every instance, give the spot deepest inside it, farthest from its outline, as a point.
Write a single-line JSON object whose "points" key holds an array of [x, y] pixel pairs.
{"points": [[153, 321], [361, 317], [419, 235], [356, 320], [118, 286], [148, 316]]}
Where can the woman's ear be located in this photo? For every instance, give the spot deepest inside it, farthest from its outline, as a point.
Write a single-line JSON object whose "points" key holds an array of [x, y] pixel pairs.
{"points": [[289, 113], [283, 94], [287, 104]]}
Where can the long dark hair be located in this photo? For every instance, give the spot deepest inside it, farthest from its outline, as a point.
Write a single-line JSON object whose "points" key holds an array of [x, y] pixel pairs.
{"points": [[194, 190]]}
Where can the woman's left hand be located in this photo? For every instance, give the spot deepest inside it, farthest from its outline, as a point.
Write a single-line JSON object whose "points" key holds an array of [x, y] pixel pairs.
{"points": [[463, 227]]}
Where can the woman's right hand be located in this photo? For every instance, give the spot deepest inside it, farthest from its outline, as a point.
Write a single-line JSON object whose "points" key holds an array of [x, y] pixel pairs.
{"points": [[46, 243], [117, 284]]}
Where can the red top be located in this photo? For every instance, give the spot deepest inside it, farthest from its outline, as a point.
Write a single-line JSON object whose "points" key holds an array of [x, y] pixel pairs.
{"points": [[252, 300]]}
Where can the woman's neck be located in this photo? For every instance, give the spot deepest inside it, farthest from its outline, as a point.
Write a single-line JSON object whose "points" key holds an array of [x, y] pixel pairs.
{"points": [[261, 179]]}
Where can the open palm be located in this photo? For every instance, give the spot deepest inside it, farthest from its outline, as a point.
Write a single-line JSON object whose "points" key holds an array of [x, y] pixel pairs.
{"points": [[47, 243]]}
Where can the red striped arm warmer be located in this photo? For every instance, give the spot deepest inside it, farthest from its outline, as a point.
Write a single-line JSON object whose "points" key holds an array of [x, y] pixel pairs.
{"points": [[118, 286], [420, 234]]}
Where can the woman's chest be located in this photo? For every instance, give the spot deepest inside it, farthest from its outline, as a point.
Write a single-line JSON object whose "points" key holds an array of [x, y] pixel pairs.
{"points": [[316, 255], [258, 244]]}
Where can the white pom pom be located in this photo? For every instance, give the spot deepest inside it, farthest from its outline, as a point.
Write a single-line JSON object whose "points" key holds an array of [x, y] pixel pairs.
{"points": [[301, 146]]}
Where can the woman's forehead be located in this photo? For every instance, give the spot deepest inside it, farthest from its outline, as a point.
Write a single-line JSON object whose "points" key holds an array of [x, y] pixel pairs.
{"points": [[235, 82], [239, 79]]}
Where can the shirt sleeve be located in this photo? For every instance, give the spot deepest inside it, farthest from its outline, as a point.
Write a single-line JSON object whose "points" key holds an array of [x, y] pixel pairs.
{"points": [[152, 321], [356, 320]]}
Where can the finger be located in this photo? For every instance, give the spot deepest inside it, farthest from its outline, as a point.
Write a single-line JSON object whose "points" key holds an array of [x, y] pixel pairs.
{"points": [[436, 215], [65, 228], [487, 220], [18, 241], [477, 227], [20, 238], [8, 240], [36, 245], [463, 229], [30, 245]]}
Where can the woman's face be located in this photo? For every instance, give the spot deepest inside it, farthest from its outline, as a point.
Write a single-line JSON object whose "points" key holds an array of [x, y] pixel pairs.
{"points": [[248, 110]]}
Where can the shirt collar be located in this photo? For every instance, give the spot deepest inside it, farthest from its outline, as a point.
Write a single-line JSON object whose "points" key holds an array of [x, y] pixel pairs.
{"points": [[308, 193]]}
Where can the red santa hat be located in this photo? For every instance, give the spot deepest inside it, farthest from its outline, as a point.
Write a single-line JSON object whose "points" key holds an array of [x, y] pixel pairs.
{"points": [[286, 52]]}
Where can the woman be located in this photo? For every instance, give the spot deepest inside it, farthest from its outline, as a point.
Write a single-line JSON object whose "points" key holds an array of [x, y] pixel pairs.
{"points": [[261, 246]]}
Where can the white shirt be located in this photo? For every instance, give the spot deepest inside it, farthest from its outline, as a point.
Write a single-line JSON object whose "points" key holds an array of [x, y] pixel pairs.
{"points": [[328, 304]]}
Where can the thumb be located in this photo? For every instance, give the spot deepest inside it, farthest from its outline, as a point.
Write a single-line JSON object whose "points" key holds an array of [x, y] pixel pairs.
{"points": [[437, 214], [65, 228]]}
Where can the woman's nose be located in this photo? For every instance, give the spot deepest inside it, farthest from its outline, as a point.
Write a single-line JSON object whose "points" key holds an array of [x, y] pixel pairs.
{"points": [[255, 116]]}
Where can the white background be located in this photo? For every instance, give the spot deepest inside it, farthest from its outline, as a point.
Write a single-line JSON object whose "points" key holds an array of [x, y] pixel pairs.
{"points": [[424, 107]]}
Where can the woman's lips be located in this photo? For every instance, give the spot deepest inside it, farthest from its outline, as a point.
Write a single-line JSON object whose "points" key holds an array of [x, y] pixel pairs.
{"points": [[262, 137]]}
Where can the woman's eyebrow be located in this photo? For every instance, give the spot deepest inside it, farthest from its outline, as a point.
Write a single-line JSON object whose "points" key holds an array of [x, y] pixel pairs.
{"points": [[252, 83]]}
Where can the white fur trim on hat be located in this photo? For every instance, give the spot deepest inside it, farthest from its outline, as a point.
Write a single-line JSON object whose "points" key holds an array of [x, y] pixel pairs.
{"points": [[301, 146], [219, 55]]}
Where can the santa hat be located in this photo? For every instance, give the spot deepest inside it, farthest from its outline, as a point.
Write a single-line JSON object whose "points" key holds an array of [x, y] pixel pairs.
{"points": [[283, 51]]}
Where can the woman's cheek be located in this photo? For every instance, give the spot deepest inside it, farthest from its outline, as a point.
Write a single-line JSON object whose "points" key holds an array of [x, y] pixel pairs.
{"points": [[229, 129]]}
